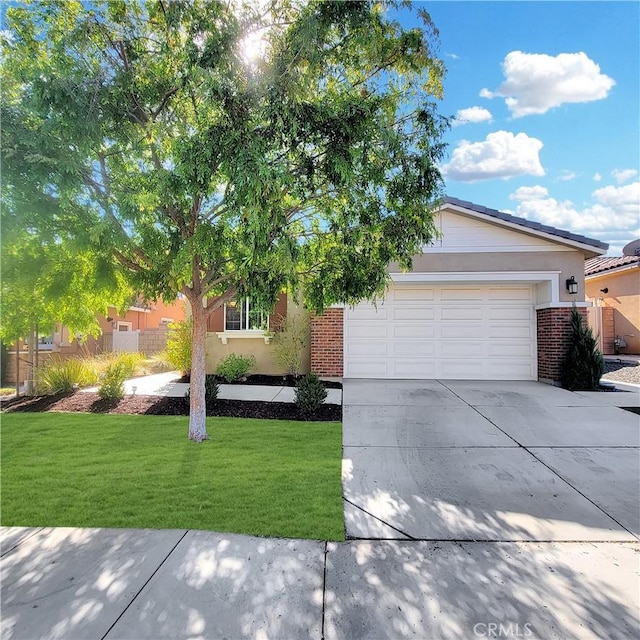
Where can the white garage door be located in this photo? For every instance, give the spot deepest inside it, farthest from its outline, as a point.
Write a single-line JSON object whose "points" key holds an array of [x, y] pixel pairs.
{"points": [[450, 332]]}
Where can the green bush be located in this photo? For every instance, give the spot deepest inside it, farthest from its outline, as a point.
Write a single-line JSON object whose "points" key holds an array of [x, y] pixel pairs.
{"points": [[112, 386], [584, 364], [235, 367], [179, 345], [211, 389], [309, 394], [58, 375], [290, 342]]}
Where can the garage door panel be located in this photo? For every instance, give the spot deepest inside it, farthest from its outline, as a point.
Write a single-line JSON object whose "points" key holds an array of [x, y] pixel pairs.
{"points": [[509, 370], [473, 294], [510, 313], [509, 331], [412, 368], [461, 313], [413, 331], [514, 350], [462, 349], [414, 313], [368, 312], [455, 332], [369, 368], [369, 349], [410, 294], [415, 348], [461, 369]]}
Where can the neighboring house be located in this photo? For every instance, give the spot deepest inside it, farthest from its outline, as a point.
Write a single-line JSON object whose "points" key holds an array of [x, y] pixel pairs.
{"points": [[143, 327], [613, 286], [490, 300]]}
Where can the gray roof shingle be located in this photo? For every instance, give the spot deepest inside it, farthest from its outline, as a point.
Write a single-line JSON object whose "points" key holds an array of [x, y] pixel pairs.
{"points": [[527, 224]]}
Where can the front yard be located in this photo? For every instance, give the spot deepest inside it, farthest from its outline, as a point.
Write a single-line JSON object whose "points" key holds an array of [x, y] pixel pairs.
{"points": [[260, 477]]}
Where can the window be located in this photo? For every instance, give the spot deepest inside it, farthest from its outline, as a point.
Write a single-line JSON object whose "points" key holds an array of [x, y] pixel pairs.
{"points": [[239, 316], [124, 326]]}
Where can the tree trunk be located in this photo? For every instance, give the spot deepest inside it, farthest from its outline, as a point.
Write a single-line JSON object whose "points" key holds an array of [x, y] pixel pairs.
{"points": [[197, 406]]}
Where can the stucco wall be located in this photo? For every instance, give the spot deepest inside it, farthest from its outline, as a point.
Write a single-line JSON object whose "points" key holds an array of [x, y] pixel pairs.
{"points": [[256, 347], [569, 263], [624, 298]]}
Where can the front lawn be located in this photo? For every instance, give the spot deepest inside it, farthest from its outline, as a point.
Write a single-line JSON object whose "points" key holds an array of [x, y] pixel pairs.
{"points": [[260, 477]]}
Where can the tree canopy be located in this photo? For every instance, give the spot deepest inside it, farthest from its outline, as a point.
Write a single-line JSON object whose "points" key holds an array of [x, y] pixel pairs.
{"points": [[226, 149]]}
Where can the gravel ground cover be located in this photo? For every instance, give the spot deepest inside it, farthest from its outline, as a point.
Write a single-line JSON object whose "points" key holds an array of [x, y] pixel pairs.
{"points": [[622, 372]]}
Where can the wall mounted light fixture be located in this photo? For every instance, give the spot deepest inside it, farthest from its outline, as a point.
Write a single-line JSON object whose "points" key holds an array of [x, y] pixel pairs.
{"points": [[572, 285], [605, 290]]}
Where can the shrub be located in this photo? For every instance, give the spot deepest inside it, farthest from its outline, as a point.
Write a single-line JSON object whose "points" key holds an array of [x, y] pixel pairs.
{"points": [[584, 364], [179, 345], [211, 389], [112, 387], [59, 375], [159, 362], [310, 394], [289, 344], [235, 367]]}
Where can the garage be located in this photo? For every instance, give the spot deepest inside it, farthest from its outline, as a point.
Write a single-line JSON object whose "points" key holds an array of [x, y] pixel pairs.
{"points": [[450, 331], [490, 298]]}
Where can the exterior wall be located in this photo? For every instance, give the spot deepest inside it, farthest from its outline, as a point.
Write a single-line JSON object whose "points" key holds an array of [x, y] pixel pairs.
{"points": [[569, 263], [152, 340], [327, 343], [624, 298], [554, 330], [266, 363], [144, 320]]}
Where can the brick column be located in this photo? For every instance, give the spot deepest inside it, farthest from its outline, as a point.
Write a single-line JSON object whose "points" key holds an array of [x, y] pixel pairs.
{"points": [[327, 343], [554, 331]]}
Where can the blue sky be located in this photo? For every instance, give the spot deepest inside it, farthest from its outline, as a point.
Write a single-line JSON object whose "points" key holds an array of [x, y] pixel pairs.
{"points": [[555, 133]]}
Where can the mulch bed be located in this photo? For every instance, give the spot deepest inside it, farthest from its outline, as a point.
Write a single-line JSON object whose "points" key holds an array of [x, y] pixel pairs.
{"points": [[268, 381], [160, 406]]}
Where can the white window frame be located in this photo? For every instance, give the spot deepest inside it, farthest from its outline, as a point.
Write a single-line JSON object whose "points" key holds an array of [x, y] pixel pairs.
{"points": [[244, 333], [124, 324]]}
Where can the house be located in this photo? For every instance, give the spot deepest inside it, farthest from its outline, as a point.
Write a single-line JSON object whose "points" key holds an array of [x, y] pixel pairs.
{"points": [[613, 286], [489, 300]]}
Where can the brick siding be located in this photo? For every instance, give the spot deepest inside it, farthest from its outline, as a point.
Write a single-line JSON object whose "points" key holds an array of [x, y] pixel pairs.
{"points": [[554, 332], [327, 343]]}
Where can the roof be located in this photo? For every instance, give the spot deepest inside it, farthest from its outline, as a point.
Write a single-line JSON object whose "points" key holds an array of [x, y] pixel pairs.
{"points": [[604, 263], [527, 224]]}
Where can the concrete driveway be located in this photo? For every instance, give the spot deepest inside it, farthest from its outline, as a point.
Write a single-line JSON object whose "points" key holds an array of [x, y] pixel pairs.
{"points": [[500, 461]]}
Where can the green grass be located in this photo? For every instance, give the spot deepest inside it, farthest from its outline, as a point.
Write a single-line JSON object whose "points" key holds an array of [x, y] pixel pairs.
{"points": [[260, 477]]}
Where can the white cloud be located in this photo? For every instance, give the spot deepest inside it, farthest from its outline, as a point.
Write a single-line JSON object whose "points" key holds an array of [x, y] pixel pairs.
{"points": [[501, 155], [535, 83], [472, 114], [566, 175], [529, 193], [612, 216], [455, 56], [623, 175], [597, 177]]}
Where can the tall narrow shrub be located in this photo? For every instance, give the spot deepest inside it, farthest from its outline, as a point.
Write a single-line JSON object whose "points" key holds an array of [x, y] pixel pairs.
{"points": [[584, 364]]}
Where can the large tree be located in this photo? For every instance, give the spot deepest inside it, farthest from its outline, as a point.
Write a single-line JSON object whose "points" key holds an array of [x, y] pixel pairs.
{"points": [[230, 149]]}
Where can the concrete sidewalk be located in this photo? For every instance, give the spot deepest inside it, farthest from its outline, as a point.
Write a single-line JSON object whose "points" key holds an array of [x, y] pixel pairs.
{"points": [[164, 384], [134, 584]]}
